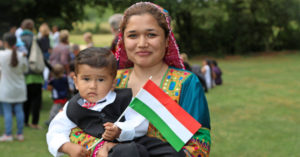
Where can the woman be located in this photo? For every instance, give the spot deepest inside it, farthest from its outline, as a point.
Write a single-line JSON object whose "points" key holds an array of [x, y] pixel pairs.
{"points": [[34, 81], [13, 88], [61, 53], [147, 47], [44, 40]]}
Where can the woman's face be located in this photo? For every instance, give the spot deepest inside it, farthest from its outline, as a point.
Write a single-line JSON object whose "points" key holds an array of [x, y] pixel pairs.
{"points": [[144, 40]]}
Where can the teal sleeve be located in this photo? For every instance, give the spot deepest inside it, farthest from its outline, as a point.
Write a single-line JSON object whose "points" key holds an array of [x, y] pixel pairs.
{"points": [[193, 100]]}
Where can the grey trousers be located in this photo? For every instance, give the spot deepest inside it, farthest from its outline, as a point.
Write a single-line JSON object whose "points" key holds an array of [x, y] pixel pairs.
{"points": [[53, 112]]}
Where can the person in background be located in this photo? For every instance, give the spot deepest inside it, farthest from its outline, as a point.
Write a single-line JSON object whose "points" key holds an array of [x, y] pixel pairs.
{"points": [[206, 71], [218, 73], [1, 45], [59, 87], [44, 44], [19, 30], [114, 22], [44, 40], [75, 50], [196, 69], [13, 88], [54, 36], [20, 45], [212, 73], [71, 75], [34, 81], [61, 53], [88, 39], [13, 29], [147, 47]]}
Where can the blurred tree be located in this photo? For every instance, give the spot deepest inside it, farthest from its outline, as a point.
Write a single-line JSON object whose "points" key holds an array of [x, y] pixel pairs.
{"points": [[59, 12], [230, 26], [200, 26]]}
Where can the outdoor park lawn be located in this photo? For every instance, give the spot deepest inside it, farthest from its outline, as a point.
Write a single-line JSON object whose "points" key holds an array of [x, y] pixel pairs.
{"points": [[255, 112], [102, 40]]}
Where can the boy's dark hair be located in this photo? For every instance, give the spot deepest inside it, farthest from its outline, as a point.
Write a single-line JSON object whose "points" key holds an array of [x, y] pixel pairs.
{"points": [[97, 57]]}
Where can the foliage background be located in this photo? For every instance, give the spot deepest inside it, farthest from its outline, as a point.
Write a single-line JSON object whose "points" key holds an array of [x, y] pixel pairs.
{"points": [[211, 27]]}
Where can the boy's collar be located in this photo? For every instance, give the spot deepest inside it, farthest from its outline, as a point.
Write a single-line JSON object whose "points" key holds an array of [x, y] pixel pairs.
{"points": [[108, 96]]}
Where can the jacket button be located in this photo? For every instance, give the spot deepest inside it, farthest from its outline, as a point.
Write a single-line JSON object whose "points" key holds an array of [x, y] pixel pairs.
{"points": [[102, 115]]}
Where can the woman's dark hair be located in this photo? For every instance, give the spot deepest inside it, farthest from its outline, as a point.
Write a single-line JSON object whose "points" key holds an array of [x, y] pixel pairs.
{"points": [[214, 62], [97, 58], [27, 24], [11, 40]]}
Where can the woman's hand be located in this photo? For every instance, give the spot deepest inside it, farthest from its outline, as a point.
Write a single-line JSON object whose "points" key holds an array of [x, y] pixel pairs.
{"points": [[74, 150], [111, 131], [103, 151]]}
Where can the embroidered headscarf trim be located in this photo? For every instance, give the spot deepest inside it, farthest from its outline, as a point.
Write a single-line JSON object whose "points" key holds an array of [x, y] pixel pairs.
{"points": [[172, 56]]}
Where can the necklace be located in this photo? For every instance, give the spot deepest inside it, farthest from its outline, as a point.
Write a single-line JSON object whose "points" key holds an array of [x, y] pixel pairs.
{"points": [[136, 81]]}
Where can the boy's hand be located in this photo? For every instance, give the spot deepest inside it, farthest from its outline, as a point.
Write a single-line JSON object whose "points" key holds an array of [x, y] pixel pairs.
{"points": [[111, 131], [74, 150]]}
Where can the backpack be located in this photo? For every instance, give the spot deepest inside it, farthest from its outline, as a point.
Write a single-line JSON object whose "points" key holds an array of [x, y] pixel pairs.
{"points": [[36, 58]]}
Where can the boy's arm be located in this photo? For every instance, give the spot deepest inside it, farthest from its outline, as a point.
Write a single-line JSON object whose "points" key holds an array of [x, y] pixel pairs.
{"points": [[59, 131], [135, 125]]}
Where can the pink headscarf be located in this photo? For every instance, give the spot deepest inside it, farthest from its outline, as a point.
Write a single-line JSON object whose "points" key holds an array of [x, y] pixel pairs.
{"points": [[172, 56]]}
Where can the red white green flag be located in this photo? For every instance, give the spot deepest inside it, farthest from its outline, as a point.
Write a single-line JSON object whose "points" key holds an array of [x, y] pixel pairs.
{"points": [[172, 121]]}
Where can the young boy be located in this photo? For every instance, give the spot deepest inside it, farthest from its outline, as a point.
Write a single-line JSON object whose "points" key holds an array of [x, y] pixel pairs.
{"points": [[93, 112], [59, 87]]}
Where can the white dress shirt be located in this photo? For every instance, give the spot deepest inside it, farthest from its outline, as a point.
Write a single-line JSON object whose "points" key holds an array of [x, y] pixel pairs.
{"points": [[60, 127]]}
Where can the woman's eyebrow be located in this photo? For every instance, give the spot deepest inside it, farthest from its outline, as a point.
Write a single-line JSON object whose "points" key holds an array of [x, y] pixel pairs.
{"points": [[131, 31], [150, 29], [134, 31]]}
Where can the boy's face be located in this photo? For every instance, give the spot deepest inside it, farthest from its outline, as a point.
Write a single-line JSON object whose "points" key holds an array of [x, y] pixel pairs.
{"points": [[93, 84]]}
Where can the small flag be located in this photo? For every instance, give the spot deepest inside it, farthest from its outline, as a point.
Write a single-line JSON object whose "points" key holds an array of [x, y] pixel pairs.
{"points": [[173, 122]]}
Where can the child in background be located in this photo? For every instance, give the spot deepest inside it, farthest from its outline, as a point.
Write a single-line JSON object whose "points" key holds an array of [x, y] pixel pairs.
{"points": [[59, 88], [92, 113], [88, 38]]}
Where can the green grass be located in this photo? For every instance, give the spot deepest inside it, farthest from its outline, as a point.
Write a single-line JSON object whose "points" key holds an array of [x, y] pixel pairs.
{"points": [[100, 40], [255, 112]]}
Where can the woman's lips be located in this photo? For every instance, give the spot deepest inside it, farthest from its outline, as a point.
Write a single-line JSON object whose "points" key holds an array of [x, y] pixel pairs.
{"points": [[143, 53]]}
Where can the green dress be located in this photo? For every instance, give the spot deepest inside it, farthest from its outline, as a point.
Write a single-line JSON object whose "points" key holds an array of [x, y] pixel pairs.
{"points": [[185, 88]]}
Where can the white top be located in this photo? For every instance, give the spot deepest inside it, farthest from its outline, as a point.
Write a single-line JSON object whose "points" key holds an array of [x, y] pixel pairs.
{"points": [[18, 32], [207, 76], [55, 38], [12, 82], [60, 127]]}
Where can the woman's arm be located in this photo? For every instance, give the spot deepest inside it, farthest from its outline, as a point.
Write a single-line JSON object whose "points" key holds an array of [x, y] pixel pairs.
{"points": [[193, 100]]}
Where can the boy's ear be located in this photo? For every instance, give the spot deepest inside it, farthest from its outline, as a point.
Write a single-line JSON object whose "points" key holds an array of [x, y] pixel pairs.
{"points": [[114, 84], [75, 81]]}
